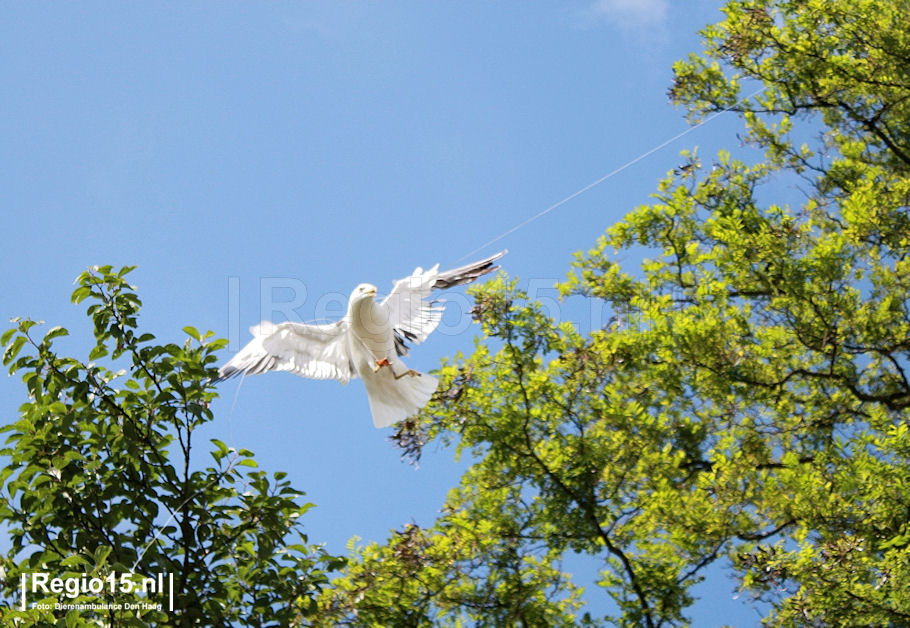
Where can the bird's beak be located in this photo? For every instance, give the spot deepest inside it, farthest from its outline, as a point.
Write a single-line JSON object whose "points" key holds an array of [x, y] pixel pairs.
{"points": [[372, 292]]}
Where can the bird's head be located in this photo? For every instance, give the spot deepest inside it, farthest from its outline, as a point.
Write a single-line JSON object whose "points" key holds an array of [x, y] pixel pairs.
{"points": [[362, 292]]}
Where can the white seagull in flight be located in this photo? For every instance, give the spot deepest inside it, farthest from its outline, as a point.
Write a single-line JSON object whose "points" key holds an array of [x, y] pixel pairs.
{"points": [[368, 342]]}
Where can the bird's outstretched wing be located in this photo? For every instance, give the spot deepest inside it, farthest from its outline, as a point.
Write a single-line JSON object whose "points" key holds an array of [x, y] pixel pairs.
{"points": [[314, 351], [412, 314]]}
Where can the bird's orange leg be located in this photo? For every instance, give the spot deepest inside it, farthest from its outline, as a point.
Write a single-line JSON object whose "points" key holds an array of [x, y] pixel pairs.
{"points": [[385, 362]]}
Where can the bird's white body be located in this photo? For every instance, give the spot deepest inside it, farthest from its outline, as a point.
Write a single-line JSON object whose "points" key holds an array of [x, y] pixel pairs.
{"points": [[395, 391], [371, 325], [366, 343]]}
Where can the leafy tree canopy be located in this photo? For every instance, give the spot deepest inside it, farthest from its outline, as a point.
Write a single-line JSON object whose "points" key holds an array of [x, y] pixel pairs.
{"points": [[101, 481], [749, 405]]}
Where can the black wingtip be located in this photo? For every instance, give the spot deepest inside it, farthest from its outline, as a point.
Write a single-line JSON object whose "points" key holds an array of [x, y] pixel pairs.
{"points": [[469, 272], [226, 373]]}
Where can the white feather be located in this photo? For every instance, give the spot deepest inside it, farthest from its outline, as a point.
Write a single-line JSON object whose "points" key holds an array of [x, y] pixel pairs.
{"points": [[314, 351]]}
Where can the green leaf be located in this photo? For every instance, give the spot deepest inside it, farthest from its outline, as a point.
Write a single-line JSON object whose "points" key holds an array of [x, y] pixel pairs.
{"points": [[12, 350], [7, 335], [74, 560], [72, 619], [80, 294], [101, 554]]}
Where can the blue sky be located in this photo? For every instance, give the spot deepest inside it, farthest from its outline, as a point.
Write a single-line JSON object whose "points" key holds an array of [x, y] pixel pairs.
{"points": [[302, 148]]}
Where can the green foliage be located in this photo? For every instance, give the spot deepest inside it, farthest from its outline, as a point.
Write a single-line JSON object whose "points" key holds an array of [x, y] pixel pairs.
{"points": [[749, 404], [101, 480]]}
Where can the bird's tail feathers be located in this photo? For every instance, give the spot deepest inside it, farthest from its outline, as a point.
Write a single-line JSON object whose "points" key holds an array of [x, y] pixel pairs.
{"points": [[393, 400]]}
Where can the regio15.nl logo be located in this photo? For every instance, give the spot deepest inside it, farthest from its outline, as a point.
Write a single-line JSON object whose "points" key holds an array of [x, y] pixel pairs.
{"points": [[126, 583]]}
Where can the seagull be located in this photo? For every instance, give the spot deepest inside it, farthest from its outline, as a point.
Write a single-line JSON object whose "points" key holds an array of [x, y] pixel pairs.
{"points": [[368, 342]]}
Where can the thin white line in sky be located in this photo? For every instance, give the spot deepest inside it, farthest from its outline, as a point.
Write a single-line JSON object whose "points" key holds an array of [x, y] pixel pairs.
{"points": [[613, 173]]}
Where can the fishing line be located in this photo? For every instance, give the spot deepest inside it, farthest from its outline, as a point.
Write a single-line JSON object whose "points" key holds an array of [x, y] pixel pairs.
{"points": [[610, 174], [234, 405]]}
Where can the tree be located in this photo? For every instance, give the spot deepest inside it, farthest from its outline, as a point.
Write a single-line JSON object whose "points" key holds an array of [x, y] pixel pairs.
{"points": [[750, 405], [102, 482]]}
